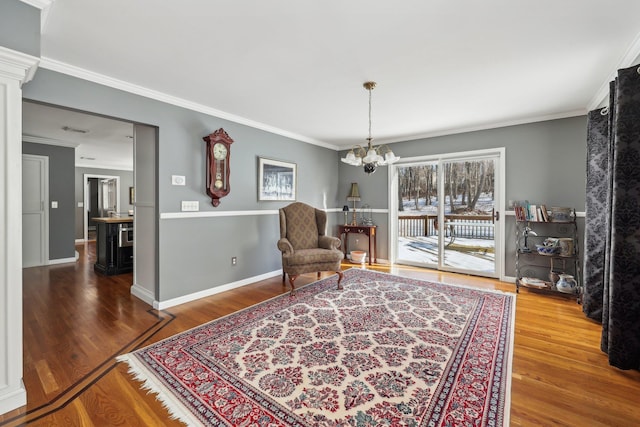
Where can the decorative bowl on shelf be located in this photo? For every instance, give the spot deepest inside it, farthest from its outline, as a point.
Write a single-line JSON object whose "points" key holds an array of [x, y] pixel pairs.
{"points": [[560, 214], [547, 250], [358, 256]]}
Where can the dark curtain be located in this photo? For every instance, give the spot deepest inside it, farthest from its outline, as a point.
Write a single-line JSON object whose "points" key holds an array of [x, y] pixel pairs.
{"points": [[612, 224]]}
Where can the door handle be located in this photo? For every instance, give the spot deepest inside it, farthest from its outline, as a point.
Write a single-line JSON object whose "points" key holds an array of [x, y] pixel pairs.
{"points": [[495, 214]]}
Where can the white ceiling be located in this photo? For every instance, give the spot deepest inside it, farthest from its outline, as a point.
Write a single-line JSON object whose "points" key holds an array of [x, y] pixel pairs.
{"points": [[106, 144], [296, 67]]}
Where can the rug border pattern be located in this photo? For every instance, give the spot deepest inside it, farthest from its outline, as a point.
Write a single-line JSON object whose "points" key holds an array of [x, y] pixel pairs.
{"points": [[497, 401]]}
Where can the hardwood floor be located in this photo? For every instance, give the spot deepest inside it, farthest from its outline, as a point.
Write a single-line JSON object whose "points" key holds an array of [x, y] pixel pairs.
{"points": [[76, 322]]}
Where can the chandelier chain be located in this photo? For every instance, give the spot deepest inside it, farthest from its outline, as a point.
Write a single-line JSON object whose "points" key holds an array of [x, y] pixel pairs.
{"points": [[370, 116], [371, 157]]}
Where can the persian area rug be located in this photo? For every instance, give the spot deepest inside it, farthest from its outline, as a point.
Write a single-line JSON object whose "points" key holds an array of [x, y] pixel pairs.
{"points": [[385, 351]]}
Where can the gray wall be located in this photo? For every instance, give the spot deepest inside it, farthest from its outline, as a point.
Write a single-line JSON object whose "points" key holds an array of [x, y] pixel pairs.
{"points": [[183, 242], [126, 181], [20, 27], [545, 163], [61, 189]]}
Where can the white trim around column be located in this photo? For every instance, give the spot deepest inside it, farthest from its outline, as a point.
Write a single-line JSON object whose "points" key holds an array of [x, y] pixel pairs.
{"points": [[15, 69]]}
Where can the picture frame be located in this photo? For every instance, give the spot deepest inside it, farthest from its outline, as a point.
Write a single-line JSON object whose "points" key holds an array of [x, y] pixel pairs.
{"points": [[277, 180], [132, 195]]}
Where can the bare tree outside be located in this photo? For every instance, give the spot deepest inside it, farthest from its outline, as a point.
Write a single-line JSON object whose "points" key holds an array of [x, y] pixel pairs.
{"points": [[468, 187], [467, 203]]}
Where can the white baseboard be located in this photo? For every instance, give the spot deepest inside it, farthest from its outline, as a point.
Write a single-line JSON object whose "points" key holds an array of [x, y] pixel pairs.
{"points": [[78, 241], [13, 399], [143, 294], [161, 305], [61, 260]]}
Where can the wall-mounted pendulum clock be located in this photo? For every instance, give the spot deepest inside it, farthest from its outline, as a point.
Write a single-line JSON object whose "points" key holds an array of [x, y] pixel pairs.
{"points": [[218, 155]]}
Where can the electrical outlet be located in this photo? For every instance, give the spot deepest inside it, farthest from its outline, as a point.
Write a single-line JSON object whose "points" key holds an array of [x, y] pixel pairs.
{"points": [[234, 260]]}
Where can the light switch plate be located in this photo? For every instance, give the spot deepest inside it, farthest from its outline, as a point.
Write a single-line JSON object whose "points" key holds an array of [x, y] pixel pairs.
{"points": [[178, 180], [54, 205], [190, 206]]}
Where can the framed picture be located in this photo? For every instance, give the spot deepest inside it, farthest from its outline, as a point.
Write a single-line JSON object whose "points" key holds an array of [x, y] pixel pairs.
{"points": [[132, 195], [276, 180]]}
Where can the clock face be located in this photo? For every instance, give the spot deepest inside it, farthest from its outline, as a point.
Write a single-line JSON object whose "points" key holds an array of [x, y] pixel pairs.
{"points": [[219, 151]]}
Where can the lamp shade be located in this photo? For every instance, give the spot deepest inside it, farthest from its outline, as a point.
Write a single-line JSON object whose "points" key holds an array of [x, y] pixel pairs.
{"points": [[354, 193]]}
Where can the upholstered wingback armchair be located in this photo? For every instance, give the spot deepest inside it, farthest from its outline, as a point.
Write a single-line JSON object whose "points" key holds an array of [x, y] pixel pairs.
{"points": [[305, 247]]}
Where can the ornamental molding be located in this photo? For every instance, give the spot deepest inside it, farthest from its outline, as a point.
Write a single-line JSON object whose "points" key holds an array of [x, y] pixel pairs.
{"points": [[17, 65]]}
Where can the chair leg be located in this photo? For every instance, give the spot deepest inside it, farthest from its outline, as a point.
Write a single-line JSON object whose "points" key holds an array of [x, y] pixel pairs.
{"points": [[318, 275], [340, 276], [293, 286], [284, 275]]}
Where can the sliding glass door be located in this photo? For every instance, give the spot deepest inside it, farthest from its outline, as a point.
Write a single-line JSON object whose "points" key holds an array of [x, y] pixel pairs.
{"points": [[445, 213]]}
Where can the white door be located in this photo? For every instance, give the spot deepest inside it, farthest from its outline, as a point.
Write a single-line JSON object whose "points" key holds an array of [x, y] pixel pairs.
{"points": [[102, 210], [35, 210]]}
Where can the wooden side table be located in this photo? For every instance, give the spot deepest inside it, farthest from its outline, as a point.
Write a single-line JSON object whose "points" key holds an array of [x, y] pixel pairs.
{"points": [[367, 230]]}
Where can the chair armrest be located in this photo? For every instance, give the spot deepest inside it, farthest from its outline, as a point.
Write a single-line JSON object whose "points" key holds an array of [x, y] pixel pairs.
{"points": [[329, 242], [285, 246]]}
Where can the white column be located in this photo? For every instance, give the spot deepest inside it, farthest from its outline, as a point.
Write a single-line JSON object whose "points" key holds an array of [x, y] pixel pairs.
{"points": [[15, 69]]}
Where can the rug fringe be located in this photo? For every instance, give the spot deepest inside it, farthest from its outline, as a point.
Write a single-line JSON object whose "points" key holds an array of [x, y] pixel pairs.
{"points": [[165, 397]]}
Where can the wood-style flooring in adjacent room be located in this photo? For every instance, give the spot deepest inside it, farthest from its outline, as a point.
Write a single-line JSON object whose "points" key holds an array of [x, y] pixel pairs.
{"points": [[76, 322]]}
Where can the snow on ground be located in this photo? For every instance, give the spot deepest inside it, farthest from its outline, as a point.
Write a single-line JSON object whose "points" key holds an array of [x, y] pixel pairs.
{"points": [[463, 253], [470, 254]]}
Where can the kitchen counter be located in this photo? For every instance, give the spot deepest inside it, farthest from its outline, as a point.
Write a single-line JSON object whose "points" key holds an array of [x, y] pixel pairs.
{"points": [[114, 245], [114, 219]]}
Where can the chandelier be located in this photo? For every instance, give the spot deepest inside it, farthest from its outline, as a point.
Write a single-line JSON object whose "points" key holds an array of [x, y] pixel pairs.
{"points": [[371, 157]]}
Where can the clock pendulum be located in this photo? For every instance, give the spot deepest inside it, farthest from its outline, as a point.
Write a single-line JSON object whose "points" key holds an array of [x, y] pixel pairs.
{"points": [[218, 183]]}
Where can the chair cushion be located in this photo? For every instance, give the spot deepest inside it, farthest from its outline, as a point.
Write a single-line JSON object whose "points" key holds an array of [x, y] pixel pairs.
{"points": [[302, 229], [314, 256]]}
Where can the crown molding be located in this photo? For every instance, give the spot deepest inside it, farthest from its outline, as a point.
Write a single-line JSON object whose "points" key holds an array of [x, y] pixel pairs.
{"points": [[49, 141], [485, 126], [601, 98], [17, 65], [71, 70]]}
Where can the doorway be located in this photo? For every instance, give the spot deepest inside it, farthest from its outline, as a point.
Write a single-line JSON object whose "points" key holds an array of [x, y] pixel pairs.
{"points": [[101, 196], [446, 210]]}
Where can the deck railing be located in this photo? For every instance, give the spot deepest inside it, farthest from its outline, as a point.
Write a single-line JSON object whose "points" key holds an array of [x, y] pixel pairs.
{"points": [[468, 226]]}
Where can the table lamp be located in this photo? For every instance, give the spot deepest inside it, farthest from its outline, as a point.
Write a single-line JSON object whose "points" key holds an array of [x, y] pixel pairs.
{"points": [[345, 209], [354, 196]]}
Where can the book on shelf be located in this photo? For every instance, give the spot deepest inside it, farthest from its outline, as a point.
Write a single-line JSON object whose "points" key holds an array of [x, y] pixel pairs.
{"points": [[530, 212], [545, 213]]}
